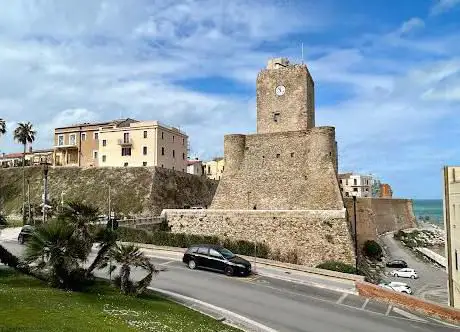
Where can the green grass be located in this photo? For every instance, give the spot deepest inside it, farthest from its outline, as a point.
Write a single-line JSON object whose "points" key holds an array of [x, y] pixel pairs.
{"points": [[27, 304]]}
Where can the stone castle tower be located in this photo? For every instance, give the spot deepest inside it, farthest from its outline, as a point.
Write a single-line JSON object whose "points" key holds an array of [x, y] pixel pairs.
{"points": [[289, 164]]}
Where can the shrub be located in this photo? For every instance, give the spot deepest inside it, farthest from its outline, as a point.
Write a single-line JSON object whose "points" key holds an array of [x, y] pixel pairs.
{"points": [[372, 249], [181, 240], [337, 266]]}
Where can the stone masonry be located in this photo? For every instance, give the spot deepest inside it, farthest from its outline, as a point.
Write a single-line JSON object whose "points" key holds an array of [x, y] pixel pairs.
{"points": [[279, 185]]}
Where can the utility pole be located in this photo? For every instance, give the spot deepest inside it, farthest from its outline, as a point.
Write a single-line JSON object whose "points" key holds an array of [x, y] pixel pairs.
{"points": [[356, 233], [111, 225], [45, 189], [28, 199]]}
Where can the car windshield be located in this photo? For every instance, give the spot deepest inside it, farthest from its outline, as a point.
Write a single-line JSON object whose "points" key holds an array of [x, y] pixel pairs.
{"points": [[226, 253]]}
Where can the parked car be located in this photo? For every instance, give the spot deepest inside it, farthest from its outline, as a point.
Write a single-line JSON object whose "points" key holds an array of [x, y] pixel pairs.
{"points": [[399, 263], [25, 233], [400, 287], [405, 273], [216, 258]]}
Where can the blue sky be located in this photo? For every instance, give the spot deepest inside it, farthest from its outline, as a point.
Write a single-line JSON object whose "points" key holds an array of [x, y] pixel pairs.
{"points": [[387, 72]]}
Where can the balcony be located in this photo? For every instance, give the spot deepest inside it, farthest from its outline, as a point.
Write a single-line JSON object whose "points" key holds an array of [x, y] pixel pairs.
{"points": [[125, 142], [66, 146]]}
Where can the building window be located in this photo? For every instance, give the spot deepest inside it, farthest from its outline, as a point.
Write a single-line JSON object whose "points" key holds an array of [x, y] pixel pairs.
{"points": [[456, 260], [183, 170], [162, 135], [96, 136], [72, 139], [104, 142], [95, 154], [173, 168], [144, 163], [125, 137], [125, 151], [144, 150], [162, 166], [83, 137], [346, 182], [183, 156], [61, 140], [162, 151], [104, 158], [355, 182], [145, 133], [355, 189], [292, 154], [173, 138], [347, 194], [276, 117], [125, 164], [174, 154], [183, 141], [278, 155]]}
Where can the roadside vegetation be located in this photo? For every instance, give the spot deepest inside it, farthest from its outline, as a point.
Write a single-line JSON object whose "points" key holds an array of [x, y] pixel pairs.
{"points": [[338, 267], [419, 238], [28, 304]]}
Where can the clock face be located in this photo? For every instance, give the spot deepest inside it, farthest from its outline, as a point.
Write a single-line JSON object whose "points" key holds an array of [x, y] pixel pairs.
{"points": [[280, 90]]}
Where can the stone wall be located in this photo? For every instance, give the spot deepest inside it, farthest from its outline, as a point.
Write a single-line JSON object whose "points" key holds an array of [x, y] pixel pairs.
{"points": [[289, 170], [135, 191], [315, 236], [376, 216]]}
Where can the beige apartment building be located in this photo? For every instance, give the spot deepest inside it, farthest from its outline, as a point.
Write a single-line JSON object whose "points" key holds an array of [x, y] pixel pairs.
{"points": [[142, 143], [355, 185], [213, 169], [78, 145], [451, 179]]}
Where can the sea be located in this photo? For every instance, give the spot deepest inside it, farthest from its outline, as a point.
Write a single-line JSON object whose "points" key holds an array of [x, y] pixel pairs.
{"points": [[431, 208]]}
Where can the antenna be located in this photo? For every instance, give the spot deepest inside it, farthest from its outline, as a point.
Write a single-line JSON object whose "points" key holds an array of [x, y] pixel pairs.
{"points": [[302, 53]]}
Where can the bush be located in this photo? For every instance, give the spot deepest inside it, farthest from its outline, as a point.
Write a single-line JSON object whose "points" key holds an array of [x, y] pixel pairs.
{"points": [[372, 249], [337, 266], [181, 240]]}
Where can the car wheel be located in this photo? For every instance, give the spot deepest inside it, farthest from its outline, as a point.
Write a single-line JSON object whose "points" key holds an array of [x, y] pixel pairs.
{"points": [[412, 277], [396, 275], [21, 240], [192, 264], [229, 271]]}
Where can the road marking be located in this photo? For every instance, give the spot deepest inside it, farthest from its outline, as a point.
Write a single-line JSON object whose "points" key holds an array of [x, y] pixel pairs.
{"points": [[408, 315], [166, 263], [340, 300], [388, 310], [224, 312], [364, 304], [444, 323]]}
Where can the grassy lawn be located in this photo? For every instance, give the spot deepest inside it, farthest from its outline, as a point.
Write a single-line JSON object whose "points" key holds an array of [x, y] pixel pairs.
{"points": [[27, 304]]}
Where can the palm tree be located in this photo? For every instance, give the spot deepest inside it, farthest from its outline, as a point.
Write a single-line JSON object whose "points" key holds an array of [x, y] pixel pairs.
{"points": [[54, 248], [2, 127], [128, 255], [24, 134], [107, 239]]}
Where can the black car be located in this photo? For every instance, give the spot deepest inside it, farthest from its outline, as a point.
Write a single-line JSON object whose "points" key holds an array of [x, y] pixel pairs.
{"points": [[26, 232], [216, 258], [397, 263]]}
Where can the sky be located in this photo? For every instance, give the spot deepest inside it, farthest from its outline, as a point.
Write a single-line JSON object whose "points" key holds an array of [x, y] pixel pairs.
{"points": [[387, 73]]}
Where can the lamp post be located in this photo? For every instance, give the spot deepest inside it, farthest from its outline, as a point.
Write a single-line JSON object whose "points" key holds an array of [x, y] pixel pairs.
{"points": [[45, 188], [354, 194]]}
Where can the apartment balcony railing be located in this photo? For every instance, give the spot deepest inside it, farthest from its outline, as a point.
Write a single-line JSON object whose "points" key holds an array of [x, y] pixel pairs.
{"points": [[125, 142]]}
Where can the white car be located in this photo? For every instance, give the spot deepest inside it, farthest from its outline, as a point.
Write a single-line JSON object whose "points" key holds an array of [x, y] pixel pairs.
{"points": [[400, 287], [405, 273]]}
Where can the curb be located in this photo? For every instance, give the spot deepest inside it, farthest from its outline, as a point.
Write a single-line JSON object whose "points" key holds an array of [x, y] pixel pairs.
{"points": [[226, 316]]}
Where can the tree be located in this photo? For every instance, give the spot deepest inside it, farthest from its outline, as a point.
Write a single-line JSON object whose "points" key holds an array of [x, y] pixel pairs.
{"points": [[2, 126], [127, 256], [24, 134], [54, 248]]}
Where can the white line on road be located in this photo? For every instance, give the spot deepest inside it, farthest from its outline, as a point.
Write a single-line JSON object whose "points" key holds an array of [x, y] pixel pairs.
{"points": [[408, 315], [364, 304], [344, 295], [229, 314], [444, 323], [166, 263], [388, 310]]}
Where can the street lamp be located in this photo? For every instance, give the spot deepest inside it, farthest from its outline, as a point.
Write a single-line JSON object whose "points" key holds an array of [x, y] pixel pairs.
{"points": [[355, 194], [45, 187]]}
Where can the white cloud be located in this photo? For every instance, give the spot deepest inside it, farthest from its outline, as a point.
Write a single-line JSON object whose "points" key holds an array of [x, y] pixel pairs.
{"points": [[441, 6], [412, 24]]}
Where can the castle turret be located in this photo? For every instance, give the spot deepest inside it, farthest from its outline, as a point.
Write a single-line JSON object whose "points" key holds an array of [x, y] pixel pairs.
{"points": [[234, 147]]}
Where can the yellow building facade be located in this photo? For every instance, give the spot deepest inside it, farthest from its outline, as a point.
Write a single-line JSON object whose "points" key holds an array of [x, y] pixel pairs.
{"points": [[142, 144], [214, 168]]}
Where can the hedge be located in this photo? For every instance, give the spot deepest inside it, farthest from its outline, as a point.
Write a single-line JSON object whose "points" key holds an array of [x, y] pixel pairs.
{"points": [[162, 238], [337, 266]]}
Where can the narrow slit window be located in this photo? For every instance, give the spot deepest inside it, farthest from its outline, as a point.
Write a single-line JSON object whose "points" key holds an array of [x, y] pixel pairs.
{"points": [[276, 117]]}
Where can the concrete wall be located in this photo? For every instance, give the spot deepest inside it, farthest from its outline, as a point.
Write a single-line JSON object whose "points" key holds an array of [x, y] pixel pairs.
{"points": [[290, 170], [316, 236], [376, 216], [135, 190]]}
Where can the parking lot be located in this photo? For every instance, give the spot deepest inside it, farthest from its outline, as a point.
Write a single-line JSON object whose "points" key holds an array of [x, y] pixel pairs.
{"points": [[432, 282]]}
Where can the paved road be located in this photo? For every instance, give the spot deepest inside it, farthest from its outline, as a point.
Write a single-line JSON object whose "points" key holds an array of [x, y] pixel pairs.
{"points": [[282, 305], [432, 282]]}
